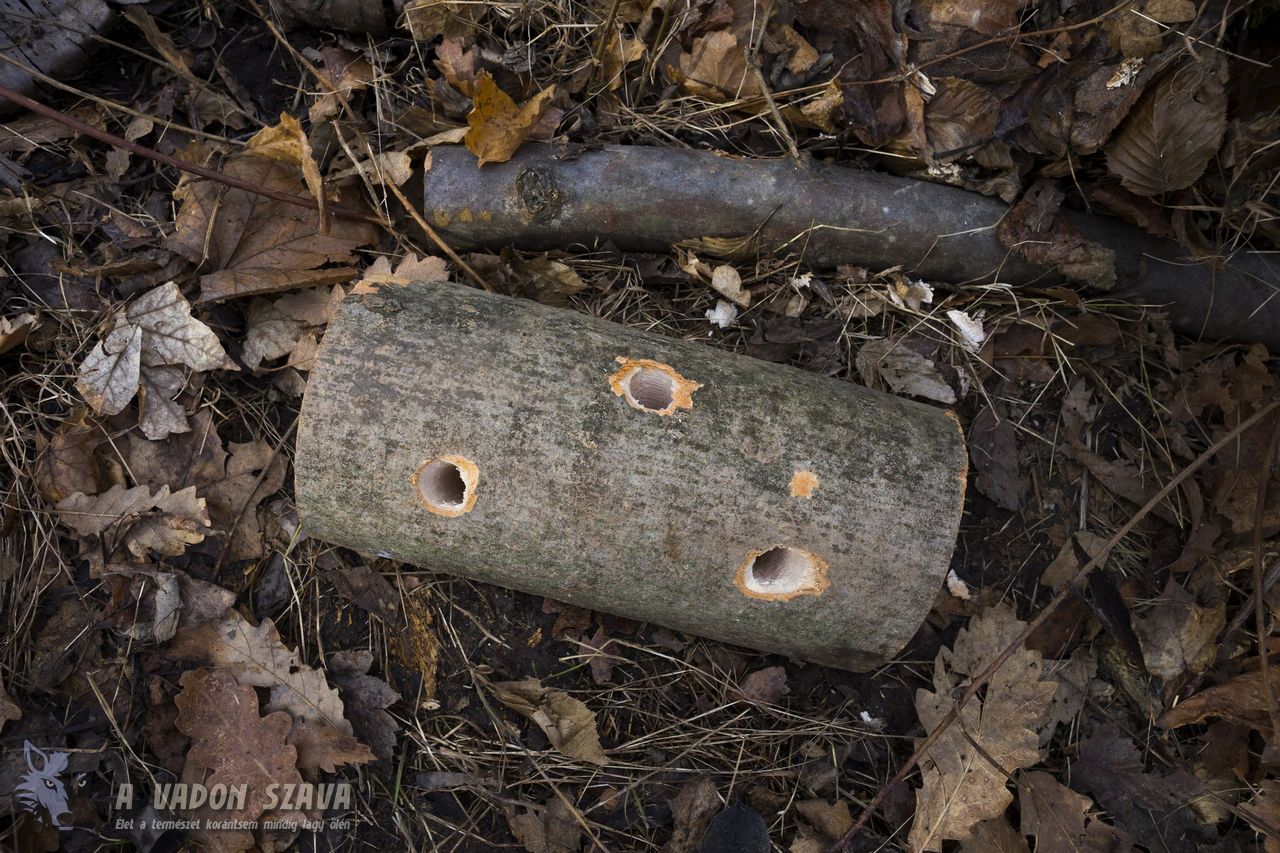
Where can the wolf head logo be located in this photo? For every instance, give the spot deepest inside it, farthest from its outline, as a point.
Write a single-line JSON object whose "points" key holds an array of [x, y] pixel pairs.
{"points": [[42, 786]]}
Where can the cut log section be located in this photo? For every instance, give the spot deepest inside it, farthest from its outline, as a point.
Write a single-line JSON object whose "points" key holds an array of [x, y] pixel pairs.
{"points": [[662, 480], [647, 199]]}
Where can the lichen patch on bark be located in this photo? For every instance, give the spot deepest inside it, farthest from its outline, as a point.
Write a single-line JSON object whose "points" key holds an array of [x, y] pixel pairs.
{"points": [[651, 386], [780, 573], [804, 484], [446, 485]]}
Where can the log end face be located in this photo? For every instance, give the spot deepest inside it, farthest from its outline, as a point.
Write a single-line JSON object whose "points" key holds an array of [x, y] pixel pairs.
{"points": [[780, 573], [446, 485]]}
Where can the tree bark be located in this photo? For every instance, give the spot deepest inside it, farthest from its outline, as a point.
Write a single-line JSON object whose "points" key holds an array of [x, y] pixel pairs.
{"points": [[662, 480], [646, 199]]}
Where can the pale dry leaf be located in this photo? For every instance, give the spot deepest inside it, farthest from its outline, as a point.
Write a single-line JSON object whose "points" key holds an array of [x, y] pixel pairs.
{"points": [[831, 819], [93, 515], [288, 143], [231, 745], [254, 471], [1177, 635], [408, 270], [726, 281], [14, 330], [180, 519], [160, 415], [716, 68], [389, 167], [314, 307], [498, 126], [256, 656], [691, 811], [889, 363], [271, 333], [303, 355], [170, 335], [109, 375], [567, 722], [1170, 137], [960, 786]]}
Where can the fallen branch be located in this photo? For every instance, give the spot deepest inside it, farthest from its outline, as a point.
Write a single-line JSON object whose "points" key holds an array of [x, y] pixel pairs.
{"points": [[177, 163], [646, 199]]}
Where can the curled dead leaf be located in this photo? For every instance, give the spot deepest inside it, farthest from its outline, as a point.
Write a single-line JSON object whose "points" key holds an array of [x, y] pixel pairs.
{"points": [[498, 125]]}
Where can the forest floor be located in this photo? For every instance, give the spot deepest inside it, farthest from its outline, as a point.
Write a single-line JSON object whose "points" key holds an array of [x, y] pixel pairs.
{"points": [[167, 616]]}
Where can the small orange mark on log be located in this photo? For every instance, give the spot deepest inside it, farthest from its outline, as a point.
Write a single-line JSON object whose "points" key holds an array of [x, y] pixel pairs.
{"points": [[446, 485], [651, 386], [803, 484], [780, 573]]}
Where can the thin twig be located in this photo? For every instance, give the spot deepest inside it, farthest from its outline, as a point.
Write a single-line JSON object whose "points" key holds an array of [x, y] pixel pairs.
{"points": [[194, 168], [1067, 591]]}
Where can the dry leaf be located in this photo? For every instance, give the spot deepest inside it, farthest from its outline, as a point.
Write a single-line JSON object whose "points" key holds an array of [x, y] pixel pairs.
{"points": [[288, 143], [552, 829], [1170, 137], [1176, 634], [324, 748], [257, 657], [831, 819], [170, 335], [959, 117], [270, 335], [234, 500], [766, 685], [166, 522], [691, 810], [498, 125], [91, 516], [231, 745], [888, 363], [9, 710], [159, 413], [726, 281], [1060, 819], [568, 723], [409, 269], [66, 463], [366, 699], [960, 787], [1037, 230], [255, 244], [1241, 699], [716, 68], [1263, 811], [181, 519], [109, 375], [1151, 807], [14, 330]]}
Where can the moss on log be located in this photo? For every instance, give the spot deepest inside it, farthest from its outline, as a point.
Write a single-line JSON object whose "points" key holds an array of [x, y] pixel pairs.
{"points": [[658, 479]]}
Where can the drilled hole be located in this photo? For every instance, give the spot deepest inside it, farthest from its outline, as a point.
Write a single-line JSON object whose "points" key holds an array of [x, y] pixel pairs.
{"points": [[441, 485], [782, 570], [446, 485], [651, 389]]}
